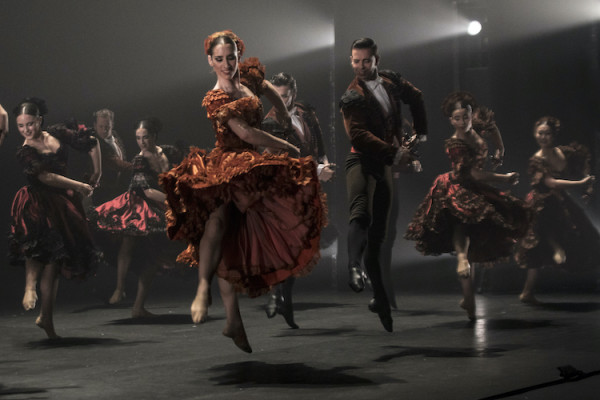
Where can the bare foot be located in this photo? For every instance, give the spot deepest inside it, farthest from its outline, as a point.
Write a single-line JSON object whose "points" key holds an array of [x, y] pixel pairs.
{"points": [[238, 334], [199, 308], [528, 299], [469, 307], [47, 326], [141, 313], [463, 269], [116, 297], [29, 299]]}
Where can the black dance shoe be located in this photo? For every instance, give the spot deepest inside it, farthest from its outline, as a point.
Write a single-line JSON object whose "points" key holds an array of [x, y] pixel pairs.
{"points": [[271, 306], [286, 309], [384, 313], [356, 279]]}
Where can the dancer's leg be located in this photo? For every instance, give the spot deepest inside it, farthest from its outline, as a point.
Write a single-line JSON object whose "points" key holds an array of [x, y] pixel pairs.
{"points": [[235, 327], [144, 283], [48, 290], [123, 262], [32, 273], [528, 293], [461, 243], [209, 258]]}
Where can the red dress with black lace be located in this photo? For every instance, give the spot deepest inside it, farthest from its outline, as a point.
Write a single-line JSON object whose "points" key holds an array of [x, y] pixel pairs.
{"points": [[275, 212], [48, 224], [557, 217], [494, 220]]}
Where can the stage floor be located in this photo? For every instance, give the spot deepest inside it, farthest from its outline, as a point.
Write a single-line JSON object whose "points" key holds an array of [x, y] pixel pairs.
{"points": [[512, 351]]}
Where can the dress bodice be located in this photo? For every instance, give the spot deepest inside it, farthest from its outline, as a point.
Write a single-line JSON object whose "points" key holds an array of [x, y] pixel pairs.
{"points": [[221, 107], [577, 166], [464, 156], [34, 162]]}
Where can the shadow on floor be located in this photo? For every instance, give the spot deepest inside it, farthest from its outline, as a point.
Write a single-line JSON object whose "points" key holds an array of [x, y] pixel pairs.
{"points": [[440, 352], [569, 307], [253, 373], [164, 319], [81, 341]]}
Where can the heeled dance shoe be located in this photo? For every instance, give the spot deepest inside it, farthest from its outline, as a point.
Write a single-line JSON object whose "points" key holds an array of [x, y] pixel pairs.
{"points": [[271, 306], [356, 278], [384, 313]]}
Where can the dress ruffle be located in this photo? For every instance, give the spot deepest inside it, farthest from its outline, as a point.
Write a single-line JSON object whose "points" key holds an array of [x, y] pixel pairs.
{"points": [[493, 219], [49, 226], [274, 228], [129, 214]]}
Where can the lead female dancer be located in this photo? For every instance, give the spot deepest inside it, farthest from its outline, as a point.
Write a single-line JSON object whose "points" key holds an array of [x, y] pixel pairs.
{"points": [[253, 218]]}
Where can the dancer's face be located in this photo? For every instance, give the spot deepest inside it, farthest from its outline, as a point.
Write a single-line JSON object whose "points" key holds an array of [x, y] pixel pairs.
{"points": [[29, 126], [544, 136], [287, 94], [144, 139], [461, 120], [224, 61], [103, 126], [364, 63]]}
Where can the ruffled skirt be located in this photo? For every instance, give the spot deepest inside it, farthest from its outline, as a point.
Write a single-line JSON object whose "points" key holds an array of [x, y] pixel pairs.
{"points": [[556, 217], [50, 226], [492, 219], [275, 212], [129, 214]]}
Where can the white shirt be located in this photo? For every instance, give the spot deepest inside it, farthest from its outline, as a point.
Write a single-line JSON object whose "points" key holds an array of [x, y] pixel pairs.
{"points": [[297, 123], [111, 141], [376, 87]]}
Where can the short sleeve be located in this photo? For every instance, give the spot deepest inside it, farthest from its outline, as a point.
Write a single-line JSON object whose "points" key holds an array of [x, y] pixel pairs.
{"points": [[80, 139], [252, 74], [578, 160]]}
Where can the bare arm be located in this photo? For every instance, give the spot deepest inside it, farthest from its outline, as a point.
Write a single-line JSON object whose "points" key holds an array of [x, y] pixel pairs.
{"points": [[97, 164], [487, 176], [564, 183], [258, 137], [59, 181], [275, 99], [3, 124], [155, 195]]}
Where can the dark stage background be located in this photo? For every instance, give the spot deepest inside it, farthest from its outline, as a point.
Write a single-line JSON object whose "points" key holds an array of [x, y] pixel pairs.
{"points": [[139, 58]]}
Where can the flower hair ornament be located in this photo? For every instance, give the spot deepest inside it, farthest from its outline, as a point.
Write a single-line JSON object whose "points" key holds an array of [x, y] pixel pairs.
{"points": [[208, 42]]}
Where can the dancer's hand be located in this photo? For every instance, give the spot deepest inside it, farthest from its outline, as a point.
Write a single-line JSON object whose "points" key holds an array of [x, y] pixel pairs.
{"points": [[513, 178]]}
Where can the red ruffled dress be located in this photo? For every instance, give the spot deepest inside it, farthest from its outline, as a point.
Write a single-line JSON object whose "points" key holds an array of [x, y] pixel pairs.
{"points": [[276, 210], [493, 219], [48, 224], [556, 216], [133, 214]]}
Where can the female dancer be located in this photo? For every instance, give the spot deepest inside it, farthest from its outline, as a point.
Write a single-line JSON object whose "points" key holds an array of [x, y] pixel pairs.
{"points": [[49, 232], [139, 213], [560, 233], [461, 213], [253, 218]]}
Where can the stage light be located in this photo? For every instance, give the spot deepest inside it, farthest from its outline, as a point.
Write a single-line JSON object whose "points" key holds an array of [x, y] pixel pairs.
{"points": [[474, 28]]}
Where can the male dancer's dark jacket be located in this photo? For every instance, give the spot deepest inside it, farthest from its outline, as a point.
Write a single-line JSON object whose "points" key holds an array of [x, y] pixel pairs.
{"points": [[116, 171], [370, 133], [311, 144]]}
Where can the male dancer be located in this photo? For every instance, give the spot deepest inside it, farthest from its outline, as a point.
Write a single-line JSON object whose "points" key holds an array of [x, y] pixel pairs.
{"points": [[371, 108], [304, 133]]}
